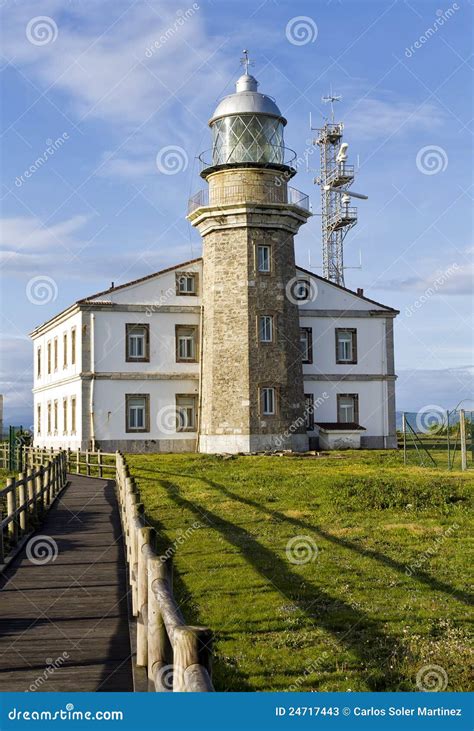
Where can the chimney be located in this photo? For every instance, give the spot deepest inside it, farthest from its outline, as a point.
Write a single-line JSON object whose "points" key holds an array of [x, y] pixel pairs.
{"points": [[360, 292]]}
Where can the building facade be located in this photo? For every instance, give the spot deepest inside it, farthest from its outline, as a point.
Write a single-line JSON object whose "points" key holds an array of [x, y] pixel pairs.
{"points": [[238, 351]]}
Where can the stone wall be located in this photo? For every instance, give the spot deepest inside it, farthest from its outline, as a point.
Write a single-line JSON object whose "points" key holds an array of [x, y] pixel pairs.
{"points": [[235, 365]]}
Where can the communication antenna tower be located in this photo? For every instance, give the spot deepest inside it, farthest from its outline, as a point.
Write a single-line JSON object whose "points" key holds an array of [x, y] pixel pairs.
{"points": [[336, 177]]}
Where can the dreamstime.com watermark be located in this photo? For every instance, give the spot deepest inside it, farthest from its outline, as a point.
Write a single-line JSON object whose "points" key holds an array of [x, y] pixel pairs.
{"points": [[179, 540], [442, 17], [301, 420], [68, 713], [431, 551], [311, 669], [183, 17], [52, 146], [50, 669], [437, 284]]}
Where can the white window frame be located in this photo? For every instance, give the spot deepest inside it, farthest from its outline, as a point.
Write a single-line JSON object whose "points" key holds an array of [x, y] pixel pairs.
{"points": [[185, 412], [264, 262], [344, 347], [183, 279], [268, 398], [137, 414], [265, 328], [345, 409], [73, 414]]}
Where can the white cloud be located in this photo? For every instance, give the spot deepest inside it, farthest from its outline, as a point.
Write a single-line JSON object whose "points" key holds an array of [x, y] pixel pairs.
{"points": [[371, 118], [25, 234], [454, 279]]}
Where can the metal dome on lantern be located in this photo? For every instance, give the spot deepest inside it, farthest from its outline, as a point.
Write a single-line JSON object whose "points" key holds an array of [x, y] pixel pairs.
{"points": [[247, 127]]}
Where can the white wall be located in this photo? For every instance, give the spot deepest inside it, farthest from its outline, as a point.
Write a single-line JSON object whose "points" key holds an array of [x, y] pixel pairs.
{"points": [[63, 382], [62, 373], [110, 341], [371, 348], [159, 290], [372, 406], [326, 296], [59, 438], [109, 408]]}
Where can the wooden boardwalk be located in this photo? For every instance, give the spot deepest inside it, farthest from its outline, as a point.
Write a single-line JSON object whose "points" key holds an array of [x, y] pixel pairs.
{"points": [[64, 622]]}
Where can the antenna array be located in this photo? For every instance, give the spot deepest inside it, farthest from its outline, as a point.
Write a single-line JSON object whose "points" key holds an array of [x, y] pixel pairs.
{"points": [[336, 177]]}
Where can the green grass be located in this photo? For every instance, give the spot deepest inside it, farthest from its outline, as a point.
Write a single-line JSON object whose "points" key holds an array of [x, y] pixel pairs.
{"points": [[385, 595]]}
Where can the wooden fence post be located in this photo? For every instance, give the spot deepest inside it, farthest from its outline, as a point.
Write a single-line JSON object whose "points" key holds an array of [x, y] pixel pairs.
{"points": [[143, 542], [160, 653], [39, 488], [11, 510], [462, 427], [191, 646], [47, 484], [31, 494], [22, 502]]}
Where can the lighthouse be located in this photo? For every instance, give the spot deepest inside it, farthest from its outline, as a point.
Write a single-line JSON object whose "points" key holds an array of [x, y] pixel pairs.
{"points": [[252, 395]]}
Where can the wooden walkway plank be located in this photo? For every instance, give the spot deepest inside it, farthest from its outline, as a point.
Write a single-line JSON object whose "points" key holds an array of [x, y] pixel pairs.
{"points": [[64, 621]]}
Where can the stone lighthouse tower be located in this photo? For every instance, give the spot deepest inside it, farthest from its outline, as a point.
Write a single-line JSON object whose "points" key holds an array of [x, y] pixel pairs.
{"points": [[252, 381]]}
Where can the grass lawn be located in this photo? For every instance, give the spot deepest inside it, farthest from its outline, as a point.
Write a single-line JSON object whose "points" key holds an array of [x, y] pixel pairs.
{"points": [[374, 589]]}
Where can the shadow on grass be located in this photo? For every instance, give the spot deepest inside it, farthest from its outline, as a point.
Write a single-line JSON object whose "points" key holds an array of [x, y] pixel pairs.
{"points": [[391, 563], [349, 626]]}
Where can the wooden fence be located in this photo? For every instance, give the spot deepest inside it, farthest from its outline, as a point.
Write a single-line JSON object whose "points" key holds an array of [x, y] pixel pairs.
{"points": [[176, 656], [25, 499], [79, 461]]}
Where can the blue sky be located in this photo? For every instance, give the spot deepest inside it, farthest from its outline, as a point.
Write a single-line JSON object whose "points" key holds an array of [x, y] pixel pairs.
{"points": [[117, 83]]}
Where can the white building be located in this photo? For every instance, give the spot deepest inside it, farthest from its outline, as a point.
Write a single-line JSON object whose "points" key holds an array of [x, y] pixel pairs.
{"points": [[121, 369], [238, 351]]}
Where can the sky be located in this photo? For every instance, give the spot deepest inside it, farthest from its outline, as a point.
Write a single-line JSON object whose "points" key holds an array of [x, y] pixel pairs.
{"points": [[113, 100]]}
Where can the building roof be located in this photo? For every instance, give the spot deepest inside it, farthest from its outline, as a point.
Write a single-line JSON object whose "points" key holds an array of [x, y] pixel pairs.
{"points": [[93, 298], [345, 289]]}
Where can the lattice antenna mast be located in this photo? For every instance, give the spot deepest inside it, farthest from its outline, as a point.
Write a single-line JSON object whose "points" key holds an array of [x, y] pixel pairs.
{"points": [[336, 177]]}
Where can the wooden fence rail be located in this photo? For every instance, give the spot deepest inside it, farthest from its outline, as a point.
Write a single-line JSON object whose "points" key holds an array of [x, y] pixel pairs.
{"points": [[177, 657], [25, 499]]}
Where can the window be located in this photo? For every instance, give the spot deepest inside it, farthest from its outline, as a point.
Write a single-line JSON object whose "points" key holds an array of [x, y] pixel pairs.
{"points": [[38, 419], [309, 411], [64, 415], [186, 343], [306, 340], [38, 363], [185, 412], [137, 343], [265, 328], [73, 346], [55, 415], [137, 412], [73, 414], [301, 290], [348, 408], [186, 283], [65, 350], [49, 418], [49, 356], [264, 259], [268, 401], [346, 345], [55, 354]]}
